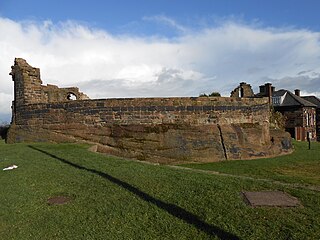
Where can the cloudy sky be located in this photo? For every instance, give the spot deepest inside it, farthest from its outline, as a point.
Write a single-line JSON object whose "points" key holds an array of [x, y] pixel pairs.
{"points": [[161, 48]]}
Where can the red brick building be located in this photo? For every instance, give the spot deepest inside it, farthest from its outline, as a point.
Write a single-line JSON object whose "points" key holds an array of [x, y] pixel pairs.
{"points": [[316, 101], [300, 112]]}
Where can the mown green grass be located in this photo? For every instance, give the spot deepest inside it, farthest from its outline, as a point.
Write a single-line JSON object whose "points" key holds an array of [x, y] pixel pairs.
{"points": [[119, 199], [302, 166]]}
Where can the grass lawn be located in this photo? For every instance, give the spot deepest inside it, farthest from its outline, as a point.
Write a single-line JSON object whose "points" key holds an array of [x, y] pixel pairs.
{"points": [[303, 166], [114, 198]]}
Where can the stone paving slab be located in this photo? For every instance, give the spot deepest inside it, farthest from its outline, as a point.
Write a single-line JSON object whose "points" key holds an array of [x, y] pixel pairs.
{"points": [[58, 200], [271, 199]]}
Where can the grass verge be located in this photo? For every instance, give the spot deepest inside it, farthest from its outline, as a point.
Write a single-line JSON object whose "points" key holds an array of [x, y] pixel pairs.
{"points": [[113, 198], [302, 166]]}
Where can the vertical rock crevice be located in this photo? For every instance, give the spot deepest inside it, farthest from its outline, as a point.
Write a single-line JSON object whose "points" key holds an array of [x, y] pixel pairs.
{"points": [[222, 142]]}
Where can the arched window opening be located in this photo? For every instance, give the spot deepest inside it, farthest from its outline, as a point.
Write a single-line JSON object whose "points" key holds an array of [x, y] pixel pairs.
{"points": [[71, 96]]}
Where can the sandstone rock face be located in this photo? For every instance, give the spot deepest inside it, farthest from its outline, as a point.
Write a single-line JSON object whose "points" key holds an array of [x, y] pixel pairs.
{"points": [[165, 130]]}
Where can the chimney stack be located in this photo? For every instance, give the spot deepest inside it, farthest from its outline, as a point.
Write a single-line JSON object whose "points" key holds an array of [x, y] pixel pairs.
{"points": [[297, 92], [269, 91]]}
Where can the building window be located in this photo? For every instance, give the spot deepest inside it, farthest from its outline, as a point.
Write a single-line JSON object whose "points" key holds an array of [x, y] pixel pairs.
{"points": [[276, 101]]}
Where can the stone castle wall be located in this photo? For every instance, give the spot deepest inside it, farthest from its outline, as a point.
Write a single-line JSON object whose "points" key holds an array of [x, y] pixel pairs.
{"points": [[28, 88], [153, 129], [197, 111]]}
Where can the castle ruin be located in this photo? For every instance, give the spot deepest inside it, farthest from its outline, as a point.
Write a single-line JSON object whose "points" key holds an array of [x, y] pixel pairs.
{"points": [[165, 130]]}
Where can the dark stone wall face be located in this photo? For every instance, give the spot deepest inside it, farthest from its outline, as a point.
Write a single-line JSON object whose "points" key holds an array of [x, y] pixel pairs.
{"points": [[195, 111], [166, 130], [160, 129]]}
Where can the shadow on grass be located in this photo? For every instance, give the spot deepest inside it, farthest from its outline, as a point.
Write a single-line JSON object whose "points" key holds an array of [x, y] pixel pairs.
{"points": [[172, 209]]}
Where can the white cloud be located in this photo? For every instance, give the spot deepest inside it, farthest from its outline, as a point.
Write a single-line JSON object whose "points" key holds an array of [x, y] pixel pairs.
{"points": [[5, 107], [5, 100], [309, 84], [209, 59], [161, 19]]}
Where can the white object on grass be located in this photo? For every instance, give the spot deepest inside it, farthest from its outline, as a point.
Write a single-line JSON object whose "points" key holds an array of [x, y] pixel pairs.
{"points": [[10, 167]]}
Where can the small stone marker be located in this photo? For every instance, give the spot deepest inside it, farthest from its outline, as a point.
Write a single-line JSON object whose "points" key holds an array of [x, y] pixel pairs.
{"points": [[270, 199], [58, 200]]}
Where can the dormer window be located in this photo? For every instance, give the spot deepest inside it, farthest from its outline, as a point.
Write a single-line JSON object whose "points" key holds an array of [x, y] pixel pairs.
{"points": [[276, 101]]}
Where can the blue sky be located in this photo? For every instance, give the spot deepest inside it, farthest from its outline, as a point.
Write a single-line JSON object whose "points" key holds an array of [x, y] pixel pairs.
{"points": [[162, 48], [110, 14], [116, 15]]}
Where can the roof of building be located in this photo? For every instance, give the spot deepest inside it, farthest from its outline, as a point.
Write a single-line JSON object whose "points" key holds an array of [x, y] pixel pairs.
{"points": [[292, 99], [260, 94], [312, 99]]}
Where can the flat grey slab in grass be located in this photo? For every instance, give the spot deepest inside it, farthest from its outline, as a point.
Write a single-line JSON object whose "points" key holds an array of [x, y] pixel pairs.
{"points": [[271, 199], [58, 200]]}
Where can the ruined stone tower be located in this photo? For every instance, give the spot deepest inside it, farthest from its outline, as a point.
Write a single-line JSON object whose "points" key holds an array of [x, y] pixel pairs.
{"points": [[28, 88], [27, 82], [243, 90]]}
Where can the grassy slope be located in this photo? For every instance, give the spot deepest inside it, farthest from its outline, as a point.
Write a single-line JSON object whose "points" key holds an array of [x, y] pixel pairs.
{"points": [[303, 166], [119, 199]]}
